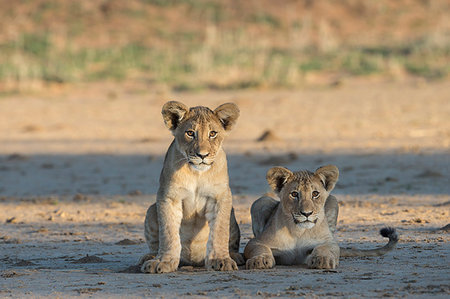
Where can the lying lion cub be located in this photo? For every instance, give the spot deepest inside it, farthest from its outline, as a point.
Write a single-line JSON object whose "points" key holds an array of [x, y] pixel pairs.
{"points": [[192, 219], [298, 229]]}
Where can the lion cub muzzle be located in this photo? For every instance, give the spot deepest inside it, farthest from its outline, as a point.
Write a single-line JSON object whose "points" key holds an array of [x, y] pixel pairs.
{"points": [[305, 220], [200, 162]]}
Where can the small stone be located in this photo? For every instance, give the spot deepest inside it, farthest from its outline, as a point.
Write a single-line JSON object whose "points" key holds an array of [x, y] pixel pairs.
{"points": [[429, 174], [11, 220], [17, 157], [47, 166], [135, 193], [445, 228], [127, 242], [268, 136], [23, 263], [390, 179], [89, 259], [80, 197], [31, 128]]}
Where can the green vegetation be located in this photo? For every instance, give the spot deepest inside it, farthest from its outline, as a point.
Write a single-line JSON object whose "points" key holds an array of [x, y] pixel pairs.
{"points": [[32, 57], [266, 19], [207, 56]]}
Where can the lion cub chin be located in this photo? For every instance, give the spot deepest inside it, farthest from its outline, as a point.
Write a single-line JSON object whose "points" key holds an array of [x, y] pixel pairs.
{"points": [[200, 167], [298, 228], [192, 221], [306, 224]]}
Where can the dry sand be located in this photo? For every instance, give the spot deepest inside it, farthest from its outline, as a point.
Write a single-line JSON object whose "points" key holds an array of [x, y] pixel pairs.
{"points": [[79, 167]]}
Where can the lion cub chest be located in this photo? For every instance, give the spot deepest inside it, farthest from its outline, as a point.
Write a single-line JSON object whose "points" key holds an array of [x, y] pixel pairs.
{"points": [[295, 246], [199, 199], [296, 253]]}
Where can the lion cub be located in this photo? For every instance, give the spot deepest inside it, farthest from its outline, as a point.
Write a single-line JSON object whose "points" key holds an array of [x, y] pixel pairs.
{"points": [[298, 228], [192, 221]]}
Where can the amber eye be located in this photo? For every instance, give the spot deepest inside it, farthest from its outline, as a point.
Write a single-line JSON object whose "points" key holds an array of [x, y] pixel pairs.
{"points": [[315, 194], [212, 134], [190, 133], [294, 194]]}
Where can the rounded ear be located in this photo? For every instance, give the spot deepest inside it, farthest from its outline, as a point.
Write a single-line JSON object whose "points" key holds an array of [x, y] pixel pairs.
{"points": [[277, 177], [228, 114], [328, 175], [173, 112]]}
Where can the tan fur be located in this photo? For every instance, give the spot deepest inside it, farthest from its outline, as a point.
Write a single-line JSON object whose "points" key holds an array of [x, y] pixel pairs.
{"points": [[192, 221], [298, 230]]}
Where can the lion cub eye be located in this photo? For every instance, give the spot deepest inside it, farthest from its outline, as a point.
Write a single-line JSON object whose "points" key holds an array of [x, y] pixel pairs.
{"points": [[212, 134], [294, 194], [315, 194], [190, 133]]}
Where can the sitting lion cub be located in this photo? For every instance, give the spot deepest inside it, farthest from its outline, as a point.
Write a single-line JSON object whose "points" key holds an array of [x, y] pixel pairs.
{"points": [[192, 219], [298, 229]]}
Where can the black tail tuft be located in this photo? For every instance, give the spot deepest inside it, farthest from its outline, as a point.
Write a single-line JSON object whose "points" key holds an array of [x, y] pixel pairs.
{"points": [[389, 232]]}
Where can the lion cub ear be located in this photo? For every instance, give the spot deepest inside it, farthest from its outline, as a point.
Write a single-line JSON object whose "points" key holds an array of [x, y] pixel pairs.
{"points": [[277, 177], [228, 114], [328, 175], [173, 112]]}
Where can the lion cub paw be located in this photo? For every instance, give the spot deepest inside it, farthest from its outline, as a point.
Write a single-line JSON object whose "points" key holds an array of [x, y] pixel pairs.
{"points": [[224, 264], [238, 258], [322, 262], [260, 262], [148, 256], [158, 266]]}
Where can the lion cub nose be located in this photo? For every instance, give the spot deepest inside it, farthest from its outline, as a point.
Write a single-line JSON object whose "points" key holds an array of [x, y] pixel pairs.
{"points": [[306, 214], [202, 155]]}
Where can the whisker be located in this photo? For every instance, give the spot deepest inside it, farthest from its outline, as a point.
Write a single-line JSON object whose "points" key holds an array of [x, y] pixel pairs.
{"points": [[181, 159]]}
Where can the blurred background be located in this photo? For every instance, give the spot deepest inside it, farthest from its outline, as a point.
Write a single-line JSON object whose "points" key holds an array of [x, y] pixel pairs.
{"points": [[213, 44], [82, 84], [361, 84]]}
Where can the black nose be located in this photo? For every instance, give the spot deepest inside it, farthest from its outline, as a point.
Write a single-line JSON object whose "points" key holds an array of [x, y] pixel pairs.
{"points": [[306, 214], [203, 156]]}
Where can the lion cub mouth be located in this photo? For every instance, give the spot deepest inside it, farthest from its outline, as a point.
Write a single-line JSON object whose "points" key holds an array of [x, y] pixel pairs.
{"points": [[201, 163], [306, 221]]}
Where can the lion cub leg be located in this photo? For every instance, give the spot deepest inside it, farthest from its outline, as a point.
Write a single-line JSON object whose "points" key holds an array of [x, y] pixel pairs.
{"points": [[331, 212], [168, 257], [217, 249], [235, 238], [261, 211], [259, 256], [325, 256], [151, 232]]}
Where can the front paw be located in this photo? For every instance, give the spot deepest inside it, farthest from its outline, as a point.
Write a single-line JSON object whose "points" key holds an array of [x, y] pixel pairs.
{"points": [[237, 257], [221, 264], [260, 262], [158, 266], [322, 262], [145, 258]]}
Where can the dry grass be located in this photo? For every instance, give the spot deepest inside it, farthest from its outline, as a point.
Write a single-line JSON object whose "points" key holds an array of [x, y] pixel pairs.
{"points": [[218, 44]]}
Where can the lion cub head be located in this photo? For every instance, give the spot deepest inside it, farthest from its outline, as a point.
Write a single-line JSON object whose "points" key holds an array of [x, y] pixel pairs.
{"points": [[199, 131], [303, 194]]}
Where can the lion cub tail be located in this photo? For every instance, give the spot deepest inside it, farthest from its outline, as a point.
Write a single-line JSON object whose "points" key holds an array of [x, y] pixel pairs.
{"points": [[387, 232]]}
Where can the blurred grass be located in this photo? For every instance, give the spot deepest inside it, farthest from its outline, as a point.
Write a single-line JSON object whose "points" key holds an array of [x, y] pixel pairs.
{"points": [[210, 56], [32, 57]]}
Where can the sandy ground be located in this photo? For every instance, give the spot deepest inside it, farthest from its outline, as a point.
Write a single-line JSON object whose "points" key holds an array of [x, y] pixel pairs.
{"points": [[80, 166]]}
